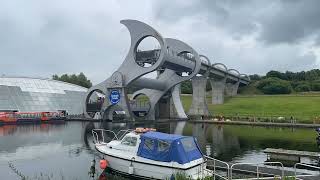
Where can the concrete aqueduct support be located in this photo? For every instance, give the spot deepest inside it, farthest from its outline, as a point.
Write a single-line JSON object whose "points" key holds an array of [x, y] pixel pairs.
{"points": [[218, 86], [199, 104], [232, 87]]}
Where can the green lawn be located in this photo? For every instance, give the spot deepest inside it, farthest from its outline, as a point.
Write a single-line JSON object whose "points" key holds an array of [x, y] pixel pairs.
{"points": [[302, 107]]}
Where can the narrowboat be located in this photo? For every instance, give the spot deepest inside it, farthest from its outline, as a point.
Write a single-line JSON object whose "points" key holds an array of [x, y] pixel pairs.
{"points": [[15, 117]]}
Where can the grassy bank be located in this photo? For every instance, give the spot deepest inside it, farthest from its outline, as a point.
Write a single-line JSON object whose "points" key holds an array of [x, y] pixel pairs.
{"points": [[304, 108]]}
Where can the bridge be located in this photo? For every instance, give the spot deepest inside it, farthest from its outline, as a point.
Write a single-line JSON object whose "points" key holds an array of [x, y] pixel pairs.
{"points": [[174, 62]]}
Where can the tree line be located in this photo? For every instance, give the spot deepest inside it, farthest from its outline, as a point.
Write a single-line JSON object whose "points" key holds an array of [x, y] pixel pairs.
{"points": [[275, 82], [79, 79]]}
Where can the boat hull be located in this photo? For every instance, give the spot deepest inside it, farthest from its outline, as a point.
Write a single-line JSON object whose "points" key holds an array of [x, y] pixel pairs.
{"points": [[150, 171]]}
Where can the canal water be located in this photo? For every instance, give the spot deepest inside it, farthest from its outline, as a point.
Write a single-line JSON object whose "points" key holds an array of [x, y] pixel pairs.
{"points": [[65, 151]]}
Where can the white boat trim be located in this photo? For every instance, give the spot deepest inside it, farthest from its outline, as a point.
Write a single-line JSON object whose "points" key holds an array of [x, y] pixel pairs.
{"points": [[171, 167]]}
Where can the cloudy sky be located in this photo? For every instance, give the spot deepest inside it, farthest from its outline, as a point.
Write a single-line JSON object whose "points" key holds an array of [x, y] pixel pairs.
{"points": [[41, 37]]}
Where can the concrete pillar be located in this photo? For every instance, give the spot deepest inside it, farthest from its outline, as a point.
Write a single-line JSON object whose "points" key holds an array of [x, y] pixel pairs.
{"points": [[176, 107], [232, 88], [218, 88], [199, 103]]}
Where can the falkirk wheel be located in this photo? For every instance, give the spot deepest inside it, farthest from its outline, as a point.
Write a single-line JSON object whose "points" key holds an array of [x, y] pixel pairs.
{"points": [[173, 61]]}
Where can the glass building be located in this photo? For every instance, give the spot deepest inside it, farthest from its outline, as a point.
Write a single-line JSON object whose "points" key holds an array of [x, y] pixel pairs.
{"points": [[35, 94]]}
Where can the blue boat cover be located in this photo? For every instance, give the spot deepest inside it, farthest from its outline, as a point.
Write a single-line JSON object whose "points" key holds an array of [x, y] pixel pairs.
{"points": [[169, 147]]}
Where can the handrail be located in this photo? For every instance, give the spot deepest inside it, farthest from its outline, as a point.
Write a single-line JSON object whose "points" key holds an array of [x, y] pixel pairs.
{"points": [[257, 167], [304, 165], [118, 136], [214, 167], [96, 137]]}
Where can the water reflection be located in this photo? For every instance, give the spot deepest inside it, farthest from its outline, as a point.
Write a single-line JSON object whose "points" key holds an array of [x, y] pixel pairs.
{"points": [[68, 148]]}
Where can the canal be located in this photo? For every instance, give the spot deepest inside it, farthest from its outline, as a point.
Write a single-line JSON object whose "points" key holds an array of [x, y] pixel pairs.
{"points": [[65, 151]]}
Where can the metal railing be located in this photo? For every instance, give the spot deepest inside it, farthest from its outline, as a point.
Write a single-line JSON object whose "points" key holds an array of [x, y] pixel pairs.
{"points": [[96, 133], [303, 165], [214, 166], [257, 168]]}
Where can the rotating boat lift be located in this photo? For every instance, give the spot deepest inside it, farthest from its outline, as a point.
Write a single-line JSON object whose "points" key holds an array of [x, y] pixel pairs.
{"points": [[174, 62]]}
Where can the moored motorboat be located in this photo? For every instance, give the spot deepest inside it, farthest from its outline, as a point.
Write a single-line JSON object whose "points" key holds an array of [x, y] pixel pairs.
{"points": [[146, 153]]}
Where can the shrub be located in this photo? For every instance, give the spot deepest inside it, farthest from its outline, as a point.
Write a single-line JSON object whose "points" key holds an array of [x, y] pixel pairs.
{"points": [[302, 87], [315, 86], [274, 86]]}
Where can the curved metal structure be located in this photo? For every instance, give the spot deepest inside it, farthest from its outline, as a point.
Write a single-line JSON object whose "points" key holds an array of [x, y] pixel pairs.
{"points": [[207, 60], [170, 77], [220, 64], [245, 75], [129, 71], [175, 62], [234, 70]]}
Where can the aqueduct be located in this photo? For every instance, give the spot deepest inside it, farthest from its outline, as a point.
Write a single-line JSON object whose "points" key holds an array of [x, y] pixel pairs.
{"points": [[174, 62]]}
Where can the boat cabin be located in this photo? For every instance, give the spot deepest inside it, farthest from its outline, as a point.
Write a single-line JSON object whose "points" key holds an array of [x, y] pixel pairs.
{"points": [[168, 147]]}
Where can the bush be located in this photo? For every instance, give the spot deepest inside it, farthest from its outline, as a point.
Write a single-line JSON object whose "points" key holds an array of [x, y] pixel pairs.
{"points": [[315, 86], [274, 86], [302, 87], [186, 87], [276, 74]]}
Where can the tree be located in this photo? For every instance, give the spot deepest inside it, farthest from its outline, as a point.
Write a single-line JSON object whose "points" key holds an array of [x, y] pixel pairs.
{"points": [[80, 79], [315, 86], [312, 75], [255, 77], [303, 87], [274, 85], [186, 87], [276, 74]]}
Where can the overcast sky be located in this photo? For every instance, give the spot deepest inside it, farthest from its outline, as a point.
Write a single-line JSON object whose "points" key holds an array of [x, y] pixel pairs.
{"points": [[41, 37]]}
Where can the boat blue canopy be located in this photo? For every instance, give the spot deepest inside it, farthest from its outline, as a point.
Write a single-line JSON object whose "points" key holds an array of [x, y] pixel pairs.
{"points": [[168, 147]]}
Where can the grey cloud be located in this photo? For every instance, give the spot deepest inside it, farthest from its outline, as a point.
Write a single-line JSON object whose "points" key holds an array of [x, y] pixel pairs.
{"points": [[48, 41], [291, 22], [236, 17], [277, 21], [41, 38]]}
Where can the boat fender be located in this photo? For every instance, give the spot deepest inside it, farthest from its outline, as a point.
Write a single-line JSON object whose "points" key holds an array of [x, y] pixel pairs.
{"points": [[103, 163], [131, 168]]}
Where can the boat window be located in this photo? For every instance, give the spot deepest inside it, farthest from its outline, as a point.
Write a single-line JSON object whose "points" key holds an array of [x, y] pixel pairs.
{"points": [[163, 145], [129, 141], [148, 144], [188, 144]]}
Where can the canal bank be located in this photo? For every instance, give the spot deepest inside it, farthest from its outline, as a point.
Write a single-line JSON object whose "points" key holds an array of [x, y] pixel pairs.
{"points": [[249, 123], [304, 108]]}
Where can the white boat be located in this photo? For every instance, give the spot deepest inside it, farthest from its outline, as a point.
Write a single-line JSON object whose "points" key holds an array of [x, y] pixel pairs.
{"points": [[148, 154]]}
